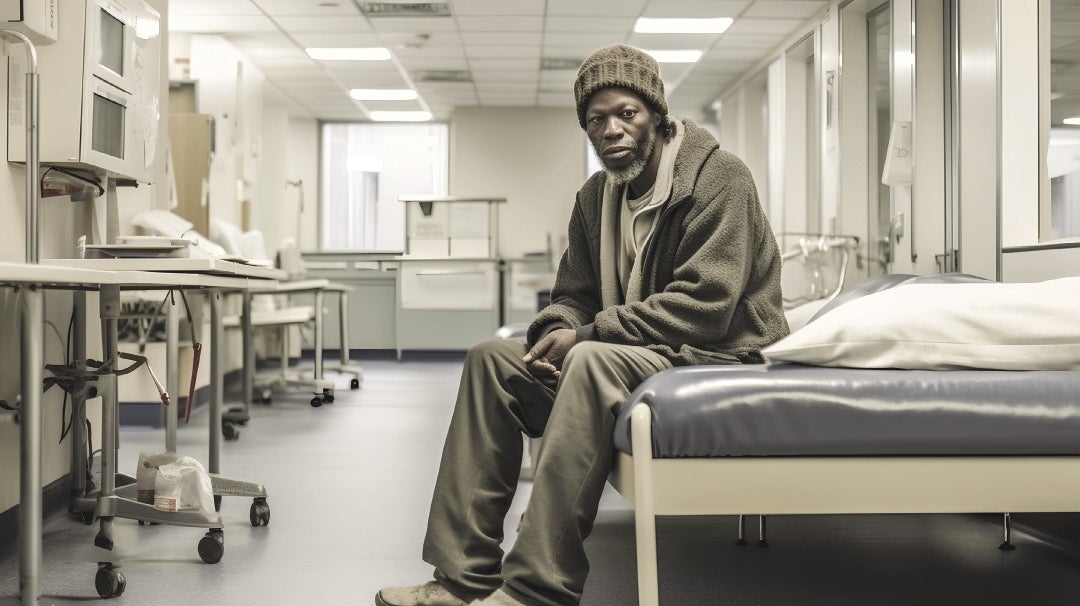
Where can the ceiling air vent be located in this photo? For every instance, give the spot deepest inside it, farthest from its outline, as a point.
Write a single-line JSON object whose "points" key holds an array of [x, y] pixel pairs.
{"points": [[443, 76], [553, 64], [404, 9]]}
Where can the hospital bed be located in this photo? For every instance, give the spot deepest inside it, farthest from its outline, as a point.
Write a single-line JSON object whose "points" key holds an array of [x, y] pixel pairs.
{"points": [[787, 438]]}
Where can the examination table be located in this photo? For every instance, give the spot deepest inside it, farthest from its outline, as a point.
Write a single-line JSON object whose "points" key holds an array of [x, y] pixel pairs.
{"points": [[787, 438]]}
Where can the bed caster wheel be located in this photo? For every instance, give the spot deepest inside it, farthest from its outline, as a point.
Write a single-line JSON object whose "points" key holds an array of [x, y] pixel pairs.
{"points": [[354, 384], [229, 431], [329, 398], [87, 517], [109, 582], [212, 546], [741, 542], [317, 401], [260, 512]]}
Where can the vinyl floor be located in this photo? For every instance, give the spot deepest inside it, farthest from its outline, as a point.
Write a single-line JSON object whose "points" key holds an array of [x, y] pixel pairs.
{"points": [[349, 485]]}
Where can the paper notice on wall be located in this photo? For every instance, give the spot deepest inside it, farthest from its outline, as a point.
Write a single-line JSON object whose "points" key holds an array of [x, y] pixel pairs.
{"points": [[897, 169]]}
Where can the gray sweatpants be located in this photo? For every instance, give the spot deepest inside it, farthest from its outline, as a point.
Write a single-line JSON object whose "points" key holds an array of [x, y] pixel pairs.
{"points": [[498, 400]]}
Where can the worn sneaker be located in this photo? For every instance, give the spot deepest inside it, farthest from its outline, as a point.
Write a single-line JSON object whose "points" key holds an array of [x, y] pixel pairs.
{"points": [[428, 594]]}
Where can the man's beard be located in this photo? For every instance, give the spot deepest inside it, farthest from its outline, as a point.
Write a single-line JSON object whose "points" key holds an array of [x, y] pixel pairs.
{"points": [[626, 174]]}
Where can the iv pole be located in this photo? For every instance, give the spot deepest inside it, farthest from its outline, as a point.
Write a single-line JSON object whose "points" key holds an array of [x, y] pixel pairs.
{"points": [[32, 318]]}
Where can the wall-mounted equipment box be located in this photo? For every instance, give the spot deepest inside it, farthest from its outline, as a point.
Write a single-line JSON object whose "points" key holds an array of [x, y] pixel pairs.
{"points": [[35, 18], [99, 90]]}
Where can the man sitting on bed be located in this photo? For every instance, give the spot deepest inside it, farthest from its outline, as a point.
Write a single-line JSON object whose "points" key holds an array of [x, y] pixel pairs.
{"points": [[670, 262]]}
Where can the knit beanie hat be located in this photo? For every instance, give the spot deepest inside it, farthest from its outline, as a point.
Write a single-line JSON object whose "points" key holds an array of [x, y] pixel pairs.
{"points": [[623, 66]]}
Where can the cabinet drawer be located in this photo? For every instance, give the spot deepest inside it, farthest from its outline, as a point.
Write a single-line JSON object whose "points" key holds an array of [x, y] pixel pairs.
{"points": [[448, 285]]}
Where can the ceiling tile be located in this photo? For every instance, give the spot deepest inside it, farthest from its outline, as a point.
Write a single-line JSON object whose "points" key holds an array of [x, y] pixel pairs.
{"points": [[496, 39], [784, 9], [498, 7], [500, 24], [310, 8], [588, 40], [765, 26], [500, 42], [525, 66], [622, 25], [412, 24], [570, 8], [212, 7], [672, 41], [429, 64], [333, 40], [339, 23], [503, 52], [694, 8], [220, 24]]}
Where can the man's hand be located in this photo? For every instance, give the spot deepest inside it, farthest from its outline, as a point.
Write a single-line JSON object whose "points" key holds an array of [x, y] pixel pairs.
{"points": [[544, 360]]}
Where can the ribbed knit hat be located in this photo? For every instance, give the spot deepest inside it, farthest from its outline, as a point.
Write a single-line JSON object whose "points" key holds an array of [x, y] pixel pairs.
{"points": [[623, 66]]}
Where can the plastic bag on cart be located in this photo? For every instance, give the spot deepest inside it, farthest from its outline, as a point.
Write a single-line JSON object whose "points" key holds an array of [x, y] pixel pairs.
{"points": [[146, 473], [183, 486]]}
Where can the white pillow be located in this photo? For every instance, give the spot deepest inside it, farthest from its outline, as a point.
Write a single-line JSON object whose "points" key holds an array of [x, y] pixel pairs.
{"points": [[227, 235], [992, 325], [798, 316]]}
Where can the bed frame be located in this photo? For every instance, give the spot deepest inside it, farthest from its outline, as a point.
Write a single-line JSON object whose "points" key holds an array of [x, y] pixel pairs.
{"points": [[827, 485]]}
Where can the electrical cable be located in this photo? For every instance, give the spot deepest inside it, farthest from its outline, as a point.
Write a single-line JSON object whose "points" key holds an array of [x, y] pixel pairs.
{"points": [[196, 349], [74, 175]]}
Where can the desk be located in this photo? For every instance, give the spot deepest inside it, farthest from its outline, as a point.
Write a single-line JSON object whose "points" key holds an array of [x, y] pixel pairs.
{"points": [[119, 502], [32, 278]]}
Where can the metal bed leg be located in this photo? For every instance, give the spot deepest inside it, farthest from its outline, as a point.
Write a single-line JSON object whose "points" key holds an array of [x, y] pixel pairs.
{"points": [[762, 542], [1007, 545], [30, 508], [741, 540]]}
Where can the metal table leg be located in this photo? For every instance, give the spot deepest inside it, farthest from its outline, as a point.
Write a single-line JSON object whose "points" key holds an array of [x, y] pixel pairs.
{"points": [[248, 370], [30, 512], [172, 374], [224, 487], [110, 405], [318, 334]]}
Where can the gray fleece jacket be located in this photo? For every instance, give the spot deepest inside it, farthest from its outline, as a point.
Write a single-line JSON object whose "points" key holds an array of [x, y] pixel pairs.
{"points": [[710, 283]]}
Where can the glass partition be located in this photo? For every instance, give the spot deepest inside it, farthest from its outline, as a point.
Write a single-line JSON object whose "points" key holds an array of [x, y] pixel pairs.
{"points": [[1060, 118]]}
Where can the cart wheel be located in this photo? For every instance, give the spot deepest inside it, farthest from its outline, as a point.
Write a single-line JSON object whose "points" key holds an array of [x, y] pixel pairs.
{"points": [[87, 517], [354, 384], [329, 398], [109, 582], [212, 546], [229, 431], [260, 512], [317, 401]]}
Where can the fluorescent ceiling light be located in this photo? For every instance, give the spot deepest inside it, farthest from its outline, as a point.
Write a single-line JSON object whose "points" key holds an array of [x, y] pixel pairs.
{"points": [[646, 25], [675, 56], [383, 94], [1074, 121], [400, 116], [349, 54]]}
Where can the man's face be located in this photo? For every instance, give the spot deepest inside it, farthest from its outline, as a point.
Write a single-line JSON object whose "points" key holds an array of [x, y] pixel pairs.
{"points": [[622, 130]]}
